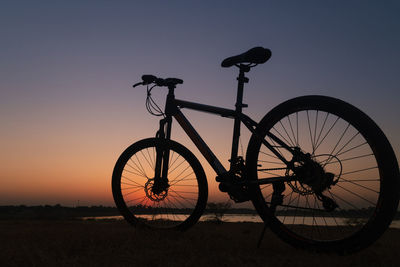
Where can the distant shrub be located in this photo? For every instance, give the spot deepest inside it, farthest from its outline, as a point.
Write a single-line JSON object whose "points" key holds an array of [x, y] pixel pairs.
{"points": [[218, 209]]}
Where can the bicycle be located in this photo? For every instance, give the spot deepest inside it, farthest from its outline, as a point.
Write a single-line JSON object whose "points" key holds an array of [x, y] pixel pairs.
{"points": [[319, 172]]}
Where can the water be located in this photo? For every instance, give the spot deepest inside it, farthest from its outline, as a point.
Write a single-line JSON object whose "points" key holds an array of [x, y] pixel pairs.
{"points": [[255, 218]]}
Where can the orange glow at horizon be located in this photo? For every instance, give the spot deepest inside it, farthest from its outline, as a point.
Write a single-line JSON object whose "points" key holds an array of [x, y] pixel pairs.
{"points": [[71, 169], [68, 109]]}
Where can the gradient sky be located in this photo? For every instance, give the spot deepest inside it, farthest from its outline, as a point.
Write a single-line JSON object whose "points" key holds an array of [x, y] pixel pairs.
{"points": [[67, 108]]}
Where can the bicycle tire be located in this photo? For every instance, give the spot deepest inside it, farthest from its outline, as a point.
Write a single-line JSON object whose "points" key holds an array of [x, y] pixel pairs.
{"points": [[178, 207], [345, 236]]}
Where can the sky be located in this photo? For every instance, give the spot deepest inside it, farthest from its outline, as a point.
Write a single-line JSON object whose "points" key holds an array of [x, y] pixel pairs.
{"points": [[67, 108]]}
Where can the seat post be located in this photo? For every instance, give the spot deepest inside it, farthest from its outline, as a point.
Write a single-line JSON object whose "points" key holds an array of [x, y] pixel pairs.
{"points": [[238, 108], [241, 81]]}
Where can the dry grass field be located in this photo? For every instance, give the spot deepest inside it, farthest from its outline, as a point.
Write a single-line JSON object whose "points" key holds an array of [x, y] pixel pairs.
{"points": [[115, 243]]}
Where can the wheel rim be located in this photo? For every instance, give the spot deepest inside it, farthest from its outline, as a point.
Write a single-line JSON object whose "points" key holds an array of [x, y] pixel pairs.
{"points": [[340, 149], [166, 209]]}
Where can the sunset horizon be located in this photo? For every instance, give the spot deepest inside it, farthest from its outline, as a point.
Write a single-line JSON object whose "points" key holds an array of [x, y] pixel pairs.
{"points": [[68, 109]]}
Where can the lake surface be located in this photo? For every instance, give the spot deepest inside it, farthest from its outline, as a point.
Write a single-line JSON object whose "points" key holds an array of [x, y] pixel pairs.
{"points": [[256, 218]]}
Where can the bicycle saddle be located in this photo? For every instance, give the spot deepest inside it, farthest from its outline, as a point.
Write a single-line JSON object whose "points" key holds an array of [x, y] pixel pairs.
{"points": [[256, 55]]}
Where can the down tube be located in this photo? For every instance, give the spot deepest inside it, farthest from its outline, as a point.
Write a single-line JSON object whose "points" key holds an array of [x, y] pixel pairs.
{"points": [[199, 142]]}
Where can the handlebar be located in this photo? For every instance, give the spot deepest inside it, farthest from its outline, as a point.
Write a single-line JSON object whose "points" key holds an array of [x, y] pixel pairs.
{"points": [[137, 84], [149, 79]]}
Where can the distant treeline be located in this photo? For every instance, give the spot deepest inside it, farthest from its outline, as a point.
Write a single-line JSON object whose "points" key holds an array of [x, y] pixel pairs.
{"points": [[57, 212], [54, 212]]}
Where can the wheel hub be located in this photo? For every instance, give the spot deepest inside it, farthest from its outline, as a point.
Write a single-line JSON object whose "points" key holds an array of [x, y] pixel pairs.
{"points": [[154, 192], [310, 176]]}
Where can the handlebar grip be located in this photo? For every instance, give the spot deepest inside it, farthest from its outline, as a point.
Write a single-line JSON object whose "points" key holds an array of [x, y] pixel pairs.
{"points": [[137, 84]]}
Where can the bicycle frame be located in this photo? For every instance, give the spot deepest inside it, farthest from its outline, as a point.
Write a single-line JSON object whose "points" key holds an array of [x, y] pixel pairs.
{"points": [[172, 109]]}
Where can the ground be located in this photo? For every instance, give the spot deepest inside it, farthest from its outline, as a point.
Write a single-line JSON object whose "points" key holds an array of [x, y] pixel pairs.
{"points": [[115, 243]]}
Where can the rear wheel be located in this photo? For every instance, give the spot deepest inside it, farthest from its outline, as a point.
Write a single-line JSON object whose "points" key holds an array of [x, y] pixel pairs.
{"points": [[345, 188], [176, 206]]}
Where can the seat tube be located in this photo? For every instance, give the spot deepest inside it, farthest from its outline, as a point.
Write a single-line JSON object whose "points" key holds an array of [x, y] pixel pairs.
{"points": [[239, 105]]}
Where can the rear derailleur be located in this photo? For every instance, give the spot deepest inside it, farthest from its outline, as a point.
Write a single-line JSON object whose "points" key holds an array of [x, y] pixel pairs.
{"points": [[328, 203]]}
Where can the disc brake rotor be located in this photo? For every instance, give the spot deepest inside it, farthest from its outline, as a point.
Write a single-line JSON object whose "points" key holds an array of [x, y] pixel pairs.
{"points": [[151, 195]]}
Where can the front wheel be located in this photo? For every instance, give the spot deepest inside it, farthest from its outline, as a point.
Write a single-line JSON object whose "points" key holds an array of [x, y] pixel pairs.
{"points": [[345, 186], [178, 205]]}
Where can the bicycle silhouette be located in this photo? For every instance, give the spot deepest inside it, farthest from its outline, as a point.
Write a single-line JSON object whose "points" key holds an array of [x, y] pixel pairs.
{"points": [[319, 172]]}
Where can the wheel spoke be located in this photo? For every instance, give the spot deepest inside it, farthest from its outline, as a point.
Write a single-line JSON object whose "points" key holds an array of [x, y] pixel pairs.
{"points": [[296, 143], [360, 170], [327, 133], [311, 137], [320, 132], [287, 134], [349, 181]]}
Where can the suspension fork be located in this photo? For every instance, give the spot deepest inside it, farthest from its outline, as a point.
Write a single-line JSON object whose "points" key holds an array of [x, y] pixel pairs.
{"points": [[164, 135], [162, 154]]}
